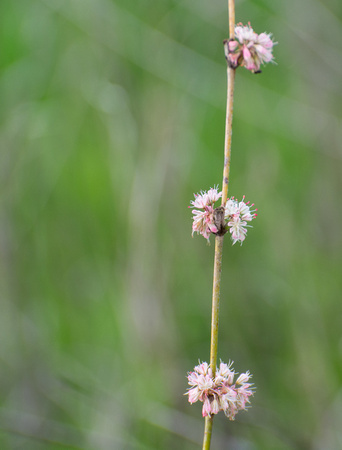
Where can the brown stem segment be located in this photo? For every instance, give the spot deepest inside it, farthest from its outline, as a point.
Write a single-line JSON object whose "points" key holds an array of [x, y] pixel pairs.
{"points": [[231, 15]]}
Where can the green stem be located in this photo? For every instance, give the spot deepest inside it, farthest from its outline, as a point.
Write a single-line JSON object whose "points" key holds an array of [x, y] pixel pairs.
{"points": [[228, 132], [229, 108], [214, 329], [216, 303], [207, 432], [219, 239]]}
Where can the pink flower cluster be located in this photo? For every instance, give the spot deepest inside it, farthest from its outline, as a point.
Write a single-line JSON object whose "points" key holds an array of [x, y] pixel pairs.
{"points": [[236, 215], [220, 393], [249, 49], [204, 220]]}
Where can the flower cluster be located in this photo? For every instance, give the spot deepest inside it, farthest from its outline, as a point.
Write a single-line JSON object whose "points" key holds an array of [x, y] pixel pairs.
{"points": [[204, 222], [249, 49], [236, 215], [219, 393]]}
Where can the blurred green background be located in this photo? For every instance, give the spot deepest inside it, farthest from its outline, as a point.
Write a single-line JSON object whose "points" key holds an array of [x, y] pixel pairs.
{"points": [[112, 116]]}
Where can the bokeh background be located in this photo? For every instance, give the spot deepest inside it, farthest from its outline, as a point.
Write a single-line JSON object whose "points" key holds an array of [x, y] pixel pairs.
{"points": [[112, 116]]}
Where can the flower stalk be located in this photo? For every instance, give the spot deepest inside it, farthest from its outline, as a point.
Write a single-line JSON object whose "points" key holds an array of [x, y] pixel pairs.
{"points": [[216, 302], [213, 386], [208, 426], [228, 132], [229, 107]]}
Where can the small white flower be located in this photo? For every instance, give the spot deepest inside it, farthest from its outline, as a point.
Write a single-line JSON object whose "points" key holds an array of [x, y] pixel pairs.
{"points": [[243, 378], [231, 208], [237, 229]]}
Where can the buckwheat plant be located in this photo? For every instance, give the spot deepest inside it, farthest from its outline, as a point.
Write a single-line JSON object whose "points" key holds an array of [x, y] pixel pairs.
{"points": [[214, 386]]}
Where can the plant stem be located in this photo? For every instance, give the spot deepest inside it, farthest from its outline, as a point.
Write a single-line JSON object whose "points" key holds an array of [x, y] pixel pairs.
{"points": [[229, 108], [207, 432], [215, 303], [214, 329], [228, 132], [219, 239], [231, 16]]}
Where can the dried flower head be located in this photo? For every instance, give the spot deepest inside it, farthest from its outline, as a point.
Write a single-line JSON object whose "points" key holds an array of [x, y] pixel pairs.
{"points": [[232, 216], [220, 393], [249, 49]]}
